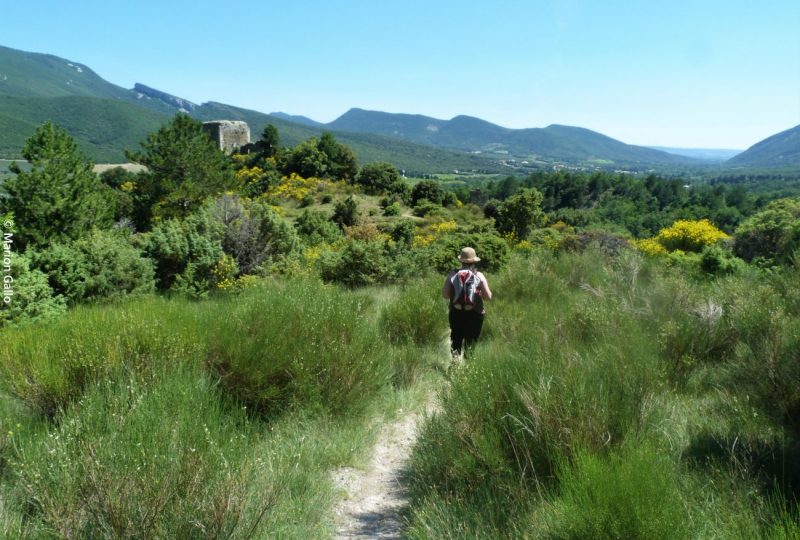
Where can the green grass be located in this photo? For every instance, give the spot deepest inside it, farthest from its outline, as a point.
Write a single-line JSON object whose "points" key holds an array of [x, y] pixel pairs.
{"points": [[610, 398], [607, 398], [166, 418]]}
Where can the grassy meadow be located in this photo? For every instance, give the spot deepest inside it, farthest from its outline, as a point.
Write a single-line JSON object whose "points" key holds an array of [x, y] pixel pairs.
{"points": [[610, 397], [160, 418]]}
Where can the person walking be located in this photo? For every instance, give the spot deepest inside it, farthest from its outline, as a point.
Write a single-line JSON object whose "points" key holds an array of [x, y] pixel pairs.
{"points": [[466, 289]]}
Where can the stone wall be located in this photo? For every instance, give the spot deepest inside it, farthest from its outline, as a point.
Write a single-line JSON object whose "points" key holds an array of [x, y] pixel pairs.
{"points": [[228, 134]]}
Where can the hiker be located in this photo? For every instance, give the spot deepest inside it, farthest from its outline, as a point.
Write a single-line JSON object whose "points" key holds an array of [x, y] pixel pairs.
{"points": [[466, 289]]}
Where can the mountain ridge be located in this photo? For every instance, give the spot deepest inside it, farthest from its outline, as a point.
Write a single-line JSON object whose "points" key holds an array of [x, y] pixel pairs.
{"points": [[779, 150], [413, 141], [476, 135]]}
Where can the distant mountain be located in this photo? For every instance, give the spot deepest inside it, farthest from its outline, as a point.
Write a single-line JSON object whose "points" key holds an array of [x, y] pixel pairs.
{"points": [[103, 128], [712, 155], [26, 74], [106, 119], [182, 105], [465, 133], [297, 119], [780, 150], [415, 159]]}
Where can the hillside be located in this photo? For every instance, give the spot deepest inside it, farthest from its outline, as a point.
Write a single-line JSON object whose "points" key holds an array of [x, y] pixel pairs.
{"points": [[465, 133], [106, 119], [415, 159], [415, 143], [712, 155], [103, 128], [779, 151]]}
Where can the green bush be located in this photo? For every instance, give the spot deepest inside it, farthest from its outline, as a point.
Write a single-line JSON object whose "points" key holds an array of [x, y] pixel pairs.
{"points": [[33, 299], [772, 235], [185, 252], [345, 213], [392, 210], [633, 493], [142, 456], [425, 208], [717, 261], [103, 264], [49, 370], [417, 315], [307, 343], [253, 234], [317, 228], [359, 263], [491, 248]]}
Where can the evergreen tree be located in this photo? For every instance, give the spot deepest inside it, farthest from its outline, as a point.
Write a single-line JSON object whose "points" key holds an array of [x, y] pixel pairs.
{"points": [[270, 141], [59, 198], [184, 167]]}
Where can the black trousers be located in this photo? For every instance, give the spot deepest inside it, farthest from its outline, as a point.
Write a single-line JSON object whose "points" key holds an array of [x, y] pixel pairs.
{"points": [[465, 328]]}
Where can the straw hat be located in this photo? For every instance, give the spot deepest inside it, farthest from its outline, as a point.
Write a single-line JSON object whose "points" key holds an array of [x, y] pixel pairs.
{"points": [[468, 256]]}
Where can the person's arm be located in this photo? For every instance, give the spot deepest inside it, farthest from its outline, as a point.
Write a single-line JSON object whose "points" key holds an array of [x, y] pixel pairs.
{"points": [[483, 289], [447, 289]]}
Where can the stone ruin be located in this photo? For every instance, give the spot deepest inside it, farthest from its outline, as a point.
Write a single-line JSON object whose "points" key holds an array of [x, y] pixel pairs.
{"points": [[228, 134]]}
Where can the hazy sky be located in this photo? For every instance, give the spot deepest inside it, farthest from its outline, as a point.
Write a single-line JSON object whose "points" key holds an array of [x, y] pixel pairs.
{"points": [[714, 74]]}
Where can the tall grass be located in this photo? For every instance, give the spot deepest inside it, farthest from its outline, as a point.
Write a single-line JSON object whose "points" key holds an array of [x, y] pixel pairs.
{"points": [[165, 418], [613, 398]]}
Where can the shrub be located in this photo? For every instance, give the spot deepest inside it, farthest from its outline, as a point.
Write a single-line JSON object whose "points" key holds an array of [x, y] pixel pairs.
{"points": [[424, 208], [307, 344], [33, 299], [345, 213], [359, 263], [48, 370], [773, 234], [185, 253], [142, 457], [416, 316], [392, 210], [317, 228], [252, 232], [691, 236], [102, 265], [717, 261], [491, 248], [633, 493]]}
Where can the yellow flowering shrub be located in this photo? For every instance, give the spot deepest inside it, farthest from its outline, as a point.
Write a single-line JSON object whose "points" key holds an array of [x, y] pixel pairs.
{"points": [[295, 187], [240, 284], [649, 246], [224, 272], [690, 235], [128, 186], [248, 175], [430, 233]]}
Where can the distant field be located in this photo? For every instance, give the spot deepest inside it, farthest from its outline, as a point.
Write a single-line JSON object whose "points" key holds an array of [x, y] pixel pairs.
{"points": [[132, 167]]}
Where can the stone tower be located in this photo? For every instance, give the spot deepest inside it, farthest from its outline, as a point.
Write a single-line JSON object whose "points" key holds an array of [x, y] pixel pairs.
{"points": [[228, 134]]}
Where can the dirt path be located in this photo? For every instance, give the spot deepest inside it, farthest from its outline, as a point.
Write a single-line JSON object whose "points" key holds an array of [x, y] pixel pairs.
{"points": [[373, 498]]}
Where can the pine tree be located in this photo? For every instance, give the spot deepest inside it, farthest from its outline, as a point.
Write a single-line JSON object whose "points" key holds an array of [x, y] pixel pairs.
{"points": [[60, 197], [184, 167]]}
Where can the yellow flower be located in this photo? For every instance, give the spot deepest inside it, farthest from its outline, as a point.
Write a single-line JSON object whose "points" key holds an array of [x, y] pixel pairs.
{"points": [[649, 246], [690, 235]]}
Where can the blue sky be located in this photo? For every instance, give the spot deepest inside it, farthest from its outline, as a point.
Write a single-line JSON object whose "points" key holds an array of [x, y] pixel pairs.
{"points": [[713, 74]]}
